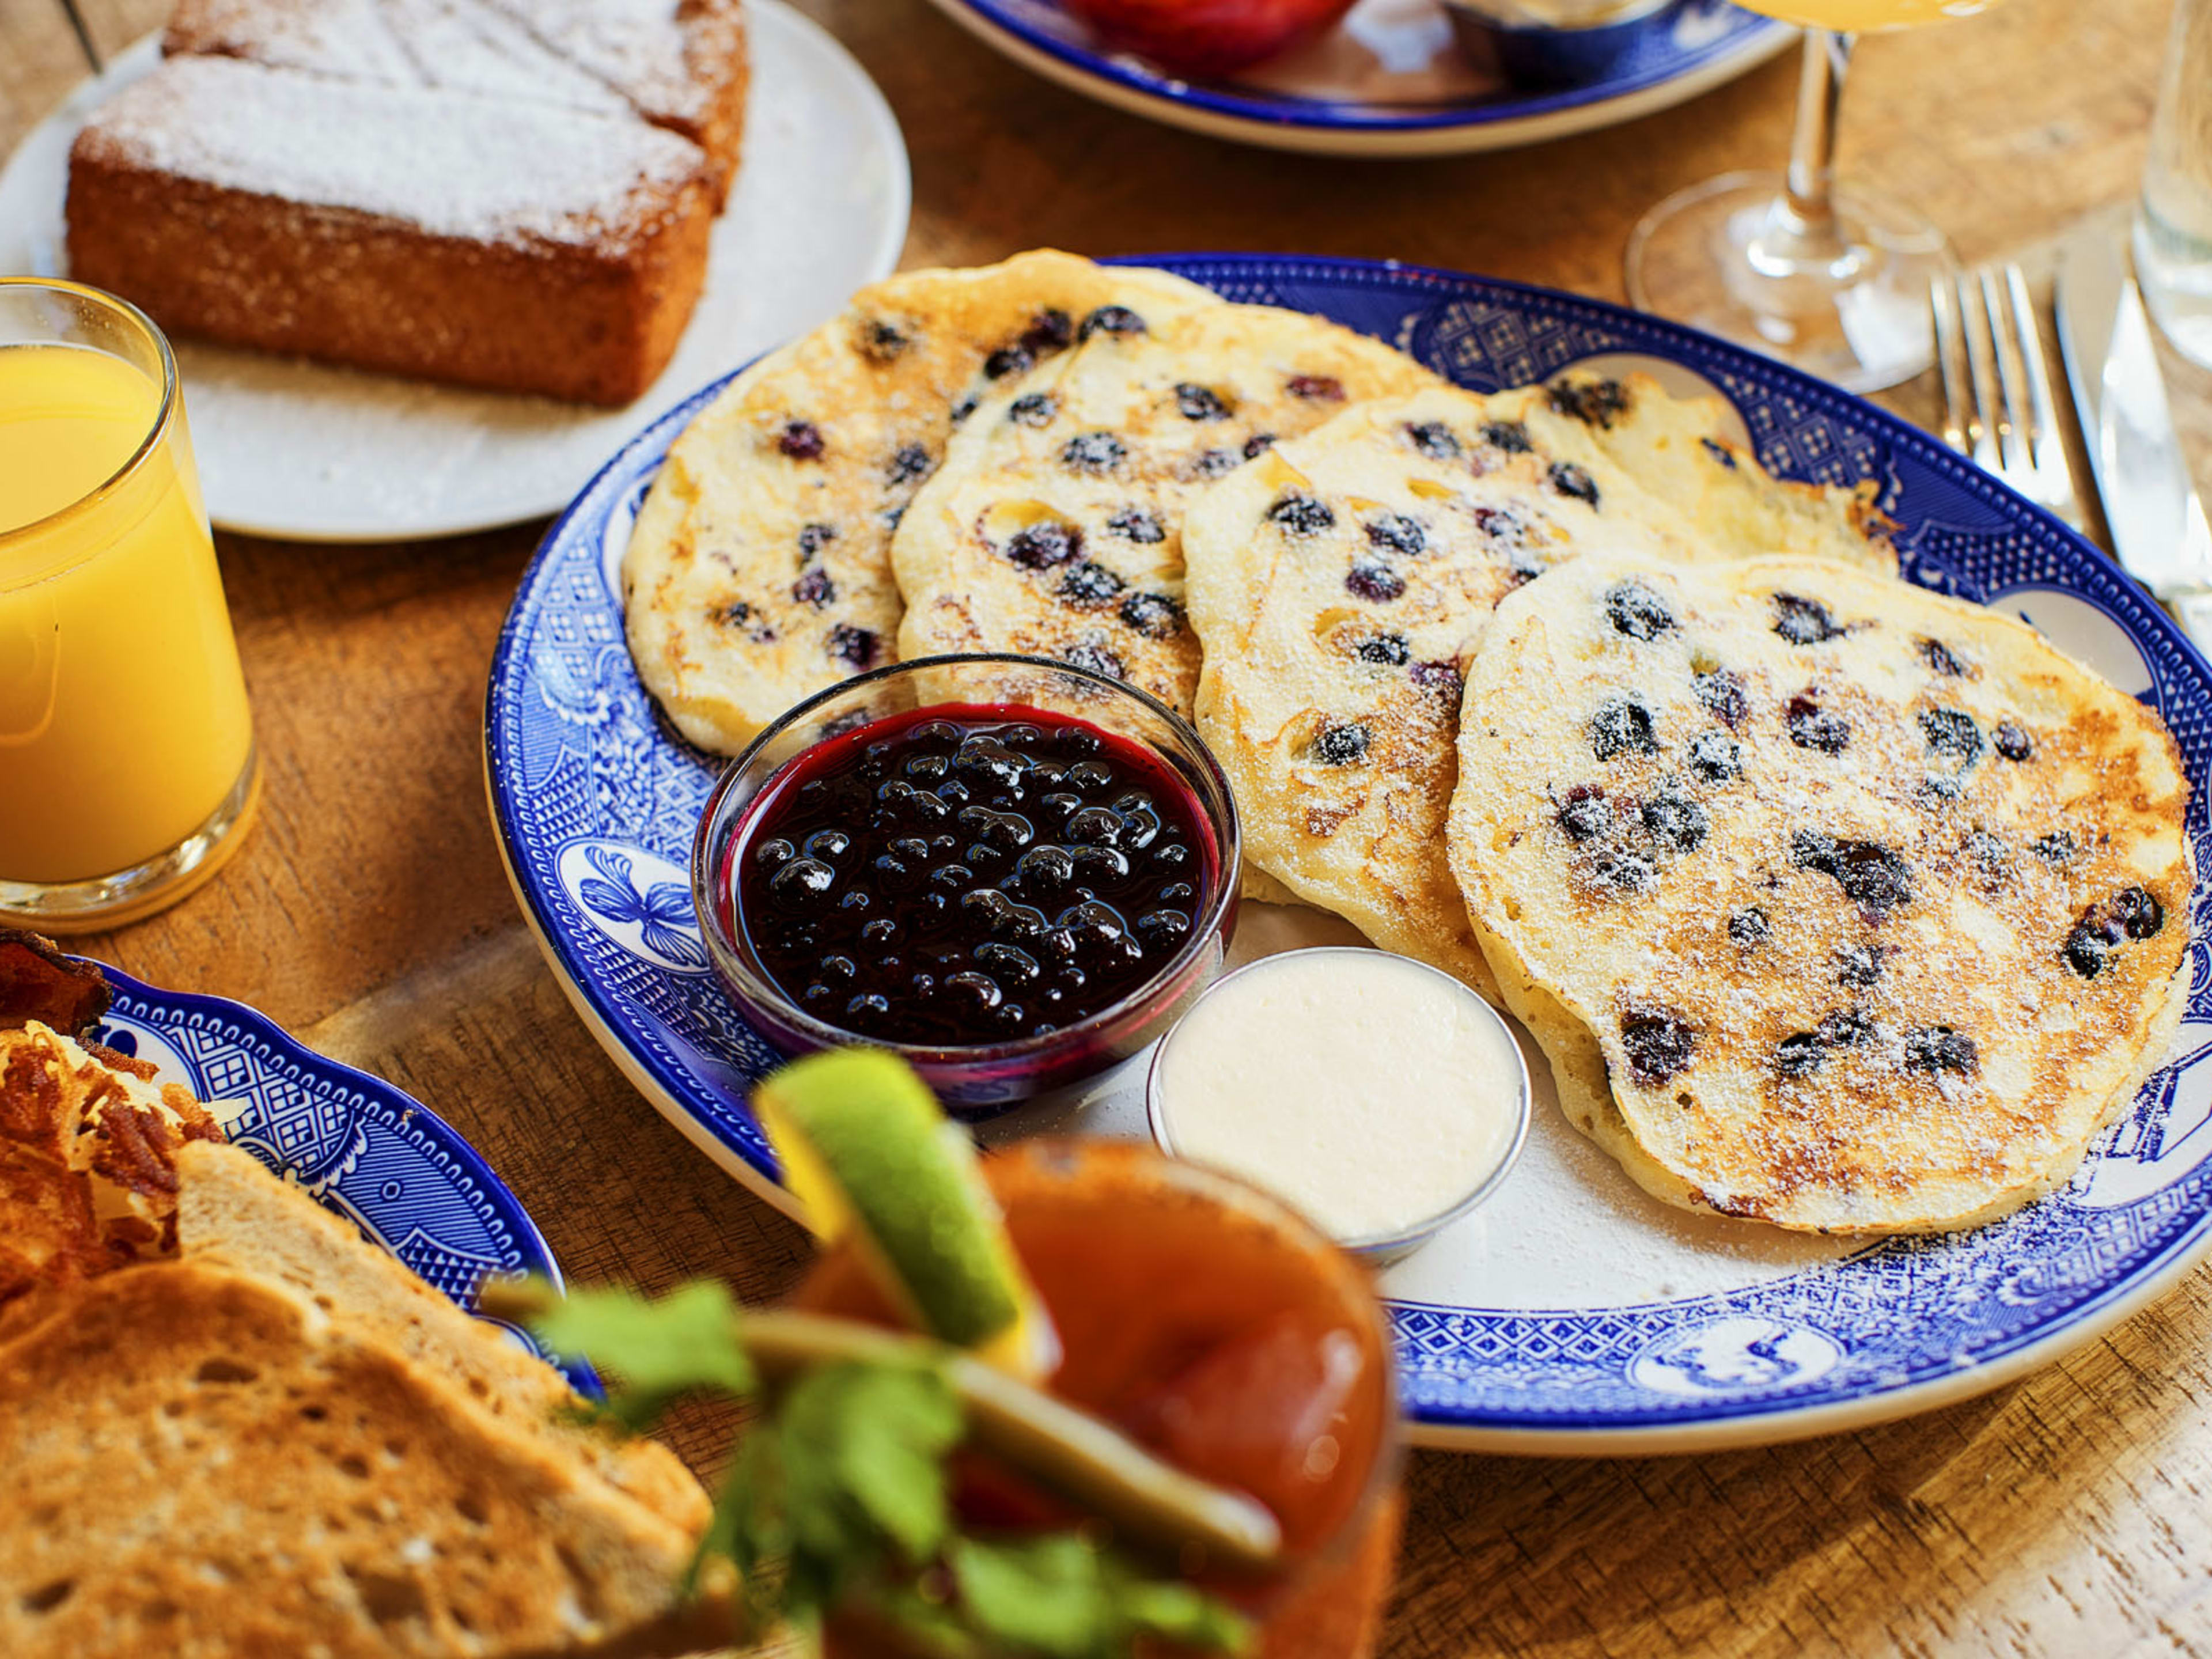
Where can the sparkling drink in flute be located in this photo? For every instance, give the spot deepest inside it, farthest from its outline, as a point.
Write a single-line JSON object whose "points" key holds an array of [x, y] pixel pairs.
{"points": [[1834, 282]]}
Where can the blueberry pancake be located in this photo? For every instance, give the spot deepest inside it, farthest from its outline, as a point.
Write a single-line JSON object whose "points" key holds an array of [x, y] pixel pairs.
{"points": [[1054, 528], [1674, 448], [1339, 586], [1837, 903], [759, 570]]}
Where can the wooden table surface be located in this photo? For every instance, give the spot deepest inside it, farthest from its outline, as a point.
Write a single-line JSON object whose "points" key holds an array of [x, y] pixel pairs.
{"points": [[2067, 1514]]}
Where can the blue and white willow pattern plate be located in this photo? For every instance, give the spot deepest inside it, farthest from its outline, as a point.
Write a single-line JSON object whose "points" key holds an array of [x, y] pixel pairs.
{"points": [[1390, 80], [1630, 1326], [355, 1144]]}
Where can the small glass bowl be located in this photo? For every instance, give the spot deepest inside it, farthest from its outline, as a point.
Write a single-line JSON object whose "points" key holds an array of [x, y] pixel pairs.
{"points": [[1549, 43], [976, 1080], [1380, 1249]]}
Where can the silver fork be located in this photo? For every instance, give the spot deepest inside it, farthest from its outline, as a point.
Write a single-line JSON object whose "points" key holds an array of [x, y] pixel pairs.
{"points": [[1996, 386]]}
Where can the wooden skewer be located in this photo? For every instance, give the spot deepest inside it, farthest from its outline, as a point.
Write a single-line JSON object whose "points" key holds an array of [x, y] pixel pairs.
{"points": [[1081, 1457]]}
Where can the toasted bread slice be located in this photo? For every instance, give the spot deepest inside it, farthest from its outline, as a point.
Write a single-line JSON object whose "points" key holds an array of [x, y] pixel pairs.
{"points": [[199, 1463], [234, 1215]]}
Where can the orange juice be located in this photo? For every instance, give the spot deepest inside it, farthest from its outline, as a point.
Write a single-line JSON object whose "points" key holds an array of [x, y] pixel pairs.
{"points": [[123, 716]]}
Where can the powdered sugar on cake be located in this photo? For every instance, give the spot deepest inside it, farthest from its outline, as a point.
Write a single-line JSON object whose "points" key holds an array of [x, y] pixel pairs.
{"points": [[333, 37], [638, 47], [455, 165], [584, 54], [471, 48]]}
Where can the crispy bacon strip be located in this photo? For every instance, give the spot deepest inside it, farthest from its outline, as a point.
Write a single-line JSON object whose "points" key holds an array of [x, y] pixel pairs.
{"points": [[38, 982], [88, 1162]]}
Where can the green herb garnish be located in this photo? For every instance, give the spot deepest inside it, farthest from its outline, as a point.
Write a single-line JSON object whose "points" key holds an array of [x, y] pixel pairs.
{"points": [[687, 1340], [839, 1495]]}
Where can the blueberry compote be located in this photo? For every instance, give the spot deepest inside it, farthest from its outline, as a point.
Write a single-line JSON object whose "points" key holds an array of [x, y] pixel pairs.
{"points": [[970, 874]]}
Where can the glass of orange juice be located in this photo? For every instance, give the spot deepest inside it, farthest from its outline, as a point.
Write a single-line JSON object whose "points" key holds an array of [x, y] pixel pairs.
{"points": [[127, 765], [1834, 280]]}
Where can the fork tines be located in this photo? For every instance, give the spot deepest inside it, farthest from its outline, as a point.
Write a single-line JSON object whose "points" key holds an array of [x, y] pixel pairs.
{"points": [[1997, 385]]}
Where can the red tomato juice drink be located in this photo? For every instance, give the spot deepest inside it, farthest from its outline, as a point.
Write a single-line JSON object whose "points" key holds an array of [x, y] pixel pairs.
{"points": [[1220, 1331]]}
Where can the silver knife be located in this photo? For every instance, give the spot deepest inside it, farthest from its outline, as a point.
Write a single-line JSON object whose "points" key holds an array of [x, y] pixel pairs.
{"points": [[2158, 524]]}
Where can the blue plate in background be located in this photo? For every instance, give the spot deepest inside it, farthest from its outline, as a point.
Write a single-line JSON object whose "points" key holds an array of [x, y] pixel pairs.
{"points": [[354, 1144], [1391, 79]]}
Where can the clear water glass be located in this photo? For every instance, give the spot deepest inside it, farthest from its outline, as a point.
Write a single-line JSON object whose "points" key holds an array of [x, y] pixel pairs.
{"points": [[2174, 221]]}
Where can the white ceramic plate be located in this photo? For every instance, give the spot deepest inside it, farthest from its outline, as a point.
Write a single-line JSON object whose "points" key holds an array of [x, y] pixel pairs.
{"points": [[1389, 79], [308, 453]]}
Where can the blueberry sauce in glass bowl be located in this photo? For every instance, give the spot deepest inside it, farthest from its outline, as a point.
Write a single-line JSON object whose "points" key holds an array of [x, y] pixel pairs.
{"points": [[1014, 873], [968, 874]]}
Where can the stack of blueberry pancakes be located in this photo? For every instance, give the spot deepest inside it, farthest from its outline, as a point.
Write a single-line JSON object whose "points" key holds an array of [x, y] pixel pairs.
{"points": [[1834, 903]]}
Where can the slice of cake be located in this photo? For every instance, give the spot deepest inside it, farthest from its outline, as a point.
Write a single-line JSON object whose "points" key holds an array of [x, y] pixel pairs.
{"points": [[350, 38], [489, 241], [681, 63], [678, 64]]}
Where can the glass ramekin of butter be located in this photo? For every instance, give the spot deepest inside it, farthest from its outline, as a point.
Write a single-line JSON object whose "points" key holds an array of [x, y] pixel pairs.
{"points": [[1376, 1094]]}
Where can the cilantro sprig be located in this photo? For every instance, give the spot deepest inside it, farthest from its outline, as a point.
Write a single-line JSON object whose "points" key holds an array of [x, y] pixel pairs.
{"points": [[839, 1496]]}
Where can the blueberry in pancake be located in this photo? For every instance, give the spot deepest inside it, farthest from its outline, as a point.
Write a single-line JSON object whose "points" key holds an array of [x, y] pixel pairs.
{"points": [[1677, 449], [1056, 527], [1341, 585], [759, 569], [1836, 903]]}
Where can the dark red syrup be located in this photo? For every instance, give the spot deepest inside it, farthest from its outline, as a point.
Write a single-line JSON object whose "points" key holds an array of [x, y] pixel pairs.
{"points": [[969, 874]]}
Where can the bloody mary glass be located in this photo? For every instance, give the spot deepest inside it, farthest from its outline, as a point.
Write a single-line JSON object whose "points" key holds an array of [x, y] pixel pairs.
{"points": [[1218, 1329]]}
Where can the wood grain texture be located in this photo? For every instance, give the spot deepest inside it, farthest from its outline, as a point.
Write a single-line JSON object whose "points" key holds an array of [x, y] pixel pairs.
{"points": [[2069, 1514]]}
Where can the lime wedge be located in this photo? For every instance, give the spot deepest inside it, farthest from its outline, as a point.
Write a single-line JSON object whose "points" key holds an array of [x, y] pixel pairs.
{"points": [[866, 1148]]}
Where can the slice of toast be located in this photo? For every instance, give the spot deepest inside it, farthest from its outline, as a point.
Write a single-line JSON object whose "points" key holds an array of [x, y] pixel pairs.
{"points": [[199, 1463], [234, 1216]]}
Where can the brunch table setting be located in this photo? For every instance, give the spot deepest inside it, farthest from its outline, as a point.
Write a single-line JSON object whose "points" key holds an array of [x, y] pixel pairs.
{"points": [[1105, 827]]}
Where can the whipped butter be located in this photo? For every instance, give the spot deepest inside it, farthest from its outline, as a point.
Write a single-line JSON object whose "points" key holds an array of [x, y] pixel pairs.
{"points": [[1372, 1092]]}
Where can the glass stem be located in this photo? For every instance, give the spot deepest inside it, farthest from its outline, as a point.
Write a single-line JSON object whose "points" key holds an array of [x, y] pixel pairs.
{"points": [[1799, 234], [1810, 181]]}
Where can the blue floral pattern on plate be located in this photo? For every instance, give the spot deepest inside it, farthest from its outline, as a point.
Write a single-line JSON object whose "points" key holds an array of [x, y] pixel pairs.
{"points": [[1679, 39], [583, 776], [354, 1144]]}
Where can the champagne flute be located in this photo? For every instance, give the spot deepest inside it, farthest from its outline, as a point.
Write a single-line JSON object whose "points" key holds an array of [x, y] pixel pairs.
{"points": [[1834, 282]]}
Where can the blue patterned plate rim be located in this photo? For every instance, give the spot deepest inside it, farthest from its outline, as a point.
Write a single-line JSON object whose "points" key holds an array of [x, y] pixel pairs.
{"points": [[261, 1051], [1328, 114], [1769, 1362]]}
